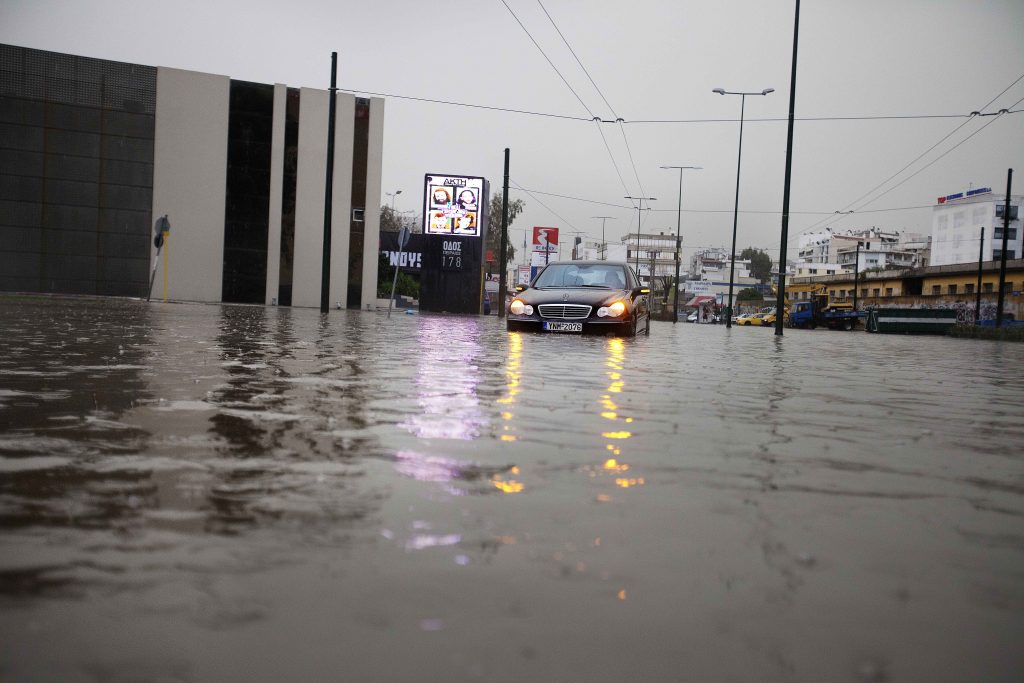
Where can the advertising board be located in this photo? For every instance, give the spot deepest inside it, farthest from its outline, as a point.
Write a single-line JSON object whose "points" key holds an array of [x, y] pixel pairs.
{"points": [[545, 239], [453, 205], [454, 222]]}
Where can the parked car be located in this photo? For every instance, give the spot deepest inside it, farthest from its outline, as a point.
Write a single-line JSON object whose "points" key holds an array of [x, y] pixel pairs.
{"points": [[747, 319], [582, 296], [770, 318]]}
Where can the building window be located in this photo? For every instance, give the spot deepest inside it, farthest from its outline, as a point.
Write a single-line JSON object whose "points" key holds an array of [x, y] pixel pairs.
{"points": [[1007, 287], [952, 289], [998, 234], [936, 289], [876, 291], [888, 291], [998, 254], [831, 292], [968, 289], [1000, 211], [987, 288]]}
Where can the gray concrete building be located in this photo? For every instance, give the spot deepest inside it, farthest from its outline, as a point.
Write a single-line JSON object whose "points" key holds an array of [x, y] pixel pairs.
{"points": [[93, 151]]}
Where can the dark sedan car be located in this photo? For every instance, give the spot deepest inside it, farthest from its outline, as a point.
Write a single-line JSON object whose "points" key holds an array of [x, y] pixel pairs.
{"points": [[582, 296]]}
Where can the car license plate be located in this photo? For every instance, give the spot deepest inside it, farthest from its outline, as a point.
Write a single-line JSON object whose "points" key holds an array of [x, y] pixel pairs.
{"points": [[563, 327]]}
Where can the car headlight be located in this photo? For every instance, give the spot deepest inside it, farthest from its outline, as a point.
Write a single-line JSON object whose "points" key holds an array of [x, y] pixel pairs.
{"points": [[613, 311], [517, 307]]}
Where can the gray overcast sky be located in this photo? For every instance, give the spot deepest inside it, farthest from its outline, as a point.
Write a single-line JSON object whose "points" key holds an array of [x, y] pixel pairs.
{"points": [[652, 59]]}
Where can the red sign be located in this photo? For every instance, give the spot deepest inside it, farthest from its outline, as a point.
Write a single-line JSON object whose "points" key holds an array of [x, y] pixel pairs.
{"points": [[490, 256], [545, 239]]}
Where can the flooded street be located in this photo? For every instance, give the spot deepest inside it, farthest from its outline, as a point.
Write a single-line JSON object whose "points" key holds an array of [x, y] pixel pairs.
{"points": [[232, 493]]}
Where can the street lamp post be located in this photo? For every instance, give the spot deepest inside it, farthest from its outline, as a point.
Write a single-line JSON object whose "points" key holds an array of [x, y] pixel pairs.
{"points": [[604, 245], [679, 221], [736, 205], [393, 195], [639, 207]]}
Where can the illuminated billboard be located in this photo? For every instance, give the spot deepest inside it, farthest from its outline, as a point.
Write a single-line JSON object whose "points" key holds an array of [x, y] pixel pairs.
{"points": [[453, 205]]}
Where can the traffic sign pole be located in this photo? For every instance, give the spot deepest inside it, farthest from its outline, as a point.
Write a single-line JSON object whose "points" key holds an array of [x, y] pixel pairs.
{"points": [[403, 238]]}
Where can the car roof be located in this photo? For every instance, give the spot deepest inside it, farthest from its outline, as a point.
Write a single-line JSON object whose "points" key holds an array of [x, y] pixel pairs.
{"points": [[589, 263]]}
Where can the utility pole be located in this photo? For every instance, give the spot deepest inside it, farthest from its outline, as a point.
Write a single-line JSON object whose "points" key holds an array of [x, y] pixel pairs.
{"points": [[654, 260], [1002, 255], [781, 289], [736, 204], [977, 294], [679, 221], [502, 285], [639, 208], [325, 275], [604, 245], [856, 276]]}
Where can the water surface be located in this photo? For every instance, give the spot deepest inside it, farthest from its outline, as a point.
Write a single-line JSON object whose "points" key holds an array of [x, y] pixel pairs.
{"points": [[202, 493]]}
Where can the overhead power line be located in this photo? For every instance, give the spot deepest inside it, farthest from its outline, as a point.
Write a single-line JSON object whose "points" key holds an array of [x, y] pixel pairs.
{"points": [[548, 59], [562, 36], [530, 194], [569, 117], [596, 119], [543, 193], [933, 161], [920, 156], [612, 157]]}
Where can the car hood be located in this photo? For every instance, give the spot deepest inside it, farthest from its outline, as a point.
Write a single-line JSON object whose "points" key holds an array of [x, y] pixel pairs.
{"points": [[590, 296]]}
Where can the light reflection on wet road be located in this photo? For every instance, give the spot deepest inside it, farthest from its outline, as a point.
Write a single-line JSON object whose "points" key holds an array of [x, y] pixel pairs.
{"points": [[229, 493]]}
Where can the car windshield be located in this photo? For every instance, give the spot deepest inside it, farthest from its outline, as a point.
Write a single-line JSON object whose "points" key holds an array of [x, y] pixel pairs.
{"points": [[575, 275]]}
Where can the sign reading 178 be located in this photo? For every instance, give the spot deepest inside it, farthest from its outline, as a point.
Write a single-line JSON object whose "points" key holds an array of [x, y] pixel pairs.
{"points": [[451, 255]]}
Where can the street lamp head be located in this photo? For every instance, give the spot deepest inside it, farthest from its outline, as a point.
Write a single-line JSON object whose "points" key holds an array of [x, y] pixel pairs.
{"points": [[398, 192], [767, 90], [720, 91]]}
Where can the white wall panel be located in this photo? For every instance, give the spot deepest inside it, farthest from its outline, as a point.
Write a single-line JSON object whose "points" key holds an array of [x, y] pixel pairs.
{"points": [[374, 168], [341, 218], [190, 179], [309, 197], [276, 193]]}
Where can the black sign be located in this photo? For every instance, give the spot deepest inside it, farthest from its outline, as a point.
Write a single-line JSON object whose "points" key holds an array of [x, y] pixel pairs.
{"points": [[410, 258], [451, 255], [452, 277]]}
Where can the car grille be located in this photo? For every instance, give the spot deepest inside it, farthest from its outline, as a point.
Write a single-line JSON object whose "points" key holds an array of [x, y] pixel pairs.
{"points": [[564, 311]]}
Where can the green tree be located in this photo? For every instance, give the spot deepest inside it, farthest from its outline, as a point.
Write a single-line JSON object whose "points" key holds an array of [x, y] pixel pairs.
{"points": [[406, 285], [760, 263], [749, 294], [515, 207], [390, 220], [667, 282]]}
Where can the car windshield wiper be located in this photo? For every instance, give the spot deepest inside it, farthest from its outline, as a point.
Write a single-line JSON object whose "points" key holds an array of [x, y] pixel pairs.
{"points": [[598, 286]]}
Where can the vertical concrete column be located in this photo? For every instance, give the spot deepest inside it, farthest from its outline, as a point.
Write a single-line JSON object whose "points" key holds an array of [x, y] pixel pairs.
{"points": [[276, 193], [190, 181], [371, 229], [310, 172], [341, 218], [309, 197]]}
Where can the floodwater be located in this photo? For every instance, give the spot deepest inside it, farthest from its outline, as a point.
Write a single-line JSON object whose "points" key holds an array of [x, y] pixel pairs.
{"points": [[233, 493]]}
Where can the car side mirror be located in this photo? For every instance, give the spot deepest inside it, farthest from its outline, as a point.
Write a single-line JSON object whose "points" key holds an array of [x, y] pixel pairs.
{"points": [[522, 288]]}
